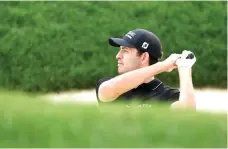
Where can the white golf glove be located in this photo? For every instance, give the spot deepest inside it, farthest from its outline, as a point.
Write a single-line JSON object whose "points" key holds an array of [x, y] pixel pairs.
{"points": [[187, 59]]}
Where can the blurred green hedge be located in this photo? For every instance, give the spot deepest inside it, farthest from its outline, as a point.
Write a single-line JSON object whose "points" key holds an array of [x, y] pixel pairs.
{"points": [[51, 46]]}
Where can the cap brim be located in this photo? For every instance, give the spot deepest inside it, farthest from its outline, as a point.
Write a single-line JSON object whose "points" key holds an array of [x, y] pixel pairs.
{"points": [[117, 42]]}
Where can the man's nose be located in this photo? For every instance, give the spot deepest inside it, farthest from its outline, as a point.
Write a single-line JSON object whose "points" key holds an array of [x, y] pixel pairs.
{"points": [[118, 55]]}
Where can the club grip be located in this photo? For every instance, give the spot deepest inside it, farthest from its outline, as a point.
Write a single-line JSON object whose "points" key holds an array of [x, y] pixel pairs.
{"points": [[190, 56]]}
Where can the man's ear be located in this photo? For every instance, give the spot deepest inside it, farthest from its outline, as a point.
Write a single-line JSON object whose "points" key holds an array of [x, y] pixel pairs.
{"points": [[145, 57]]}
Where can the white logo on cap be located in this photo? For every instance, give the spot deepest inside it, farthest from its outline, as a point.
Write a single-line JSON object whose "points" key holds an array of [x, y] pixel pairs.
{"points": [[145, 45], [130, 34]]}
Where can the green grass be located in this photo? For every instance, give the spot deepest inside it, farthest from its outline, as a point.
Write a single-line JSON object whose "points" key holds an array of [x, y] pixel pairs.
{"points": [[28, 121]]}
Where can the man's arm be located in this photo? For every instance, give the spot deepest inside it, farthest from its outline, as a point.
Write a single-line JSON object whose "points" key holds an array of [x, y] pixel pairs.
{"points": [[187, 93], [113, 88]]}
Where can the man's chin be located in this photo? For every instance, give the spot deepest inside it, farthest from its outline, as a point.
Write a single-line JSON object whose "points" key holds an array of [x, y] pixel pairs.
{"points": [[121, 71]]}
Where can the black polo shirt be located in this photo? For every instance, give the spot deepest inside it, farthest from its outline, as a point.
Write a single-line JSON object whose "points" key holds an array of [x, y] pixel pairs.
{"points": [[146, 92]]}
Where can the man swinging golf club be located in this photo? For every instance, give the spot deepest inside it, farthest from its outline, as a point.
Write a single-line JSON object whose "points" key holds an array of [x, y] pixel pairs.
{"points": [[138, 64]]}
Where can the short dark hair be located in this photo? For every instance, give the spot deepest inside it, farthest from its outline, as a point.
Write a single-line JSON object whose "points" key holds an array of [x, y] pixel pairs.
{"points": [[152, 60]]}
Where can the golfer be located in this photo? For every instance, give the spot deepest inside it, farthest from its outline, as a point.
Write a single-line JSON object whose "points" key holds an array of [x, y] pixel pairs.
{"points": [[138, 62]]}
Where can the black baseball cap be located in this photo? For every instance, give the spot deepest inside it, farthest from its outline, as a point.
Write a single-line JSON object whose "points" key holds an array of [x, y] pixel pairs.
{"points": [[140, 39]]}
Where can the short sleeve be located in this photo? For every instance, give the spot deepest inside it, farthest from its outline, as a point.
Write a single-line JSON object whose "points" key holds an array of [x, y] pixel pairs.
{"points": [[98, 85], [171, 94]]}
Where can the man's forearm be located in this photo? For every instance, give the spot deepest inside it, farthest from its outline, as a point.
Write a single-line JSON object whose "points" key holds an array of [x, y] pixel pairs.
{"points": [[187, 93], [113, 88]]}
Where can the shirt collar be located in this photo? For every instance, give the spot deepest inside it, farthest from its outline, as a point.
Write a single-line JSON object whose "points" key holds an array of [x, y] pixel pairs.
{"points": [[154, 84]]}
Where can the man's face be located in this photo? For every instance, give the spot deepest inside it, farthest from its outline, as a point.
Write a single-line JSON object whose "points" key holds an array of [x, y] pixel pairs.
{"points": [[128, 59]]}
